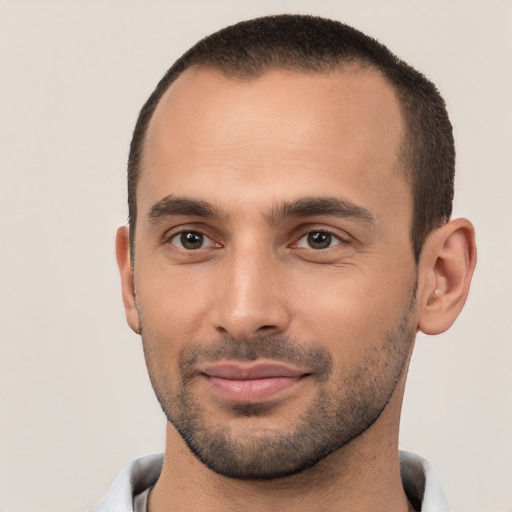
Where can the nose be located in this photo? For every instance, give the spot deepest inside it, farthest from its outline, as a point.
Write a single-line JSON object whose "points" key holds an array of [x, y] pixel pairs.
{"points": [[250, 296]]}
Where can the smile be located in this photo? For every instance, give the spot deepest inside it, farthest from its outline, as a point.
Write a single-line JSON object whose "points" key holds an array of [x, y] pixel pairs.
{"points": [[253, 383]]}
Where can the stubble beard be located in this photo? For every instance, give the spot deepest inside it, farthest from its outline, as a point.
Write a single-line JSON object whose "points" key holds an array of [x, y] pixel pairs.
{"points": [[347, 403]]}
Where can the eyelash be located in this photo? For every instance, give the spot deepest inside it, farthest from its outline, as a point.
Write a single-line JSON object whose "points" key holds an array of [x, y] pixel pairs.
{"points": [[323, 231], [168, 239]]}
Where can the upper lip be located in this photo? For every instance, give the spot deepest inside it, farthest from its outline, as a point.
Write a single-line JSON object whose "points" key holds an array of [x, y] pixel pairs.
{"points": [[252, 371]]}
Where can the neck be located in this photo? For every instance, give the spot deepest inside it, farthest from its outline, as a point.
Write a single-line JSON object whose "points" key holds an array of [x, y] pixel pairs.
{"points": [[362, 476]]}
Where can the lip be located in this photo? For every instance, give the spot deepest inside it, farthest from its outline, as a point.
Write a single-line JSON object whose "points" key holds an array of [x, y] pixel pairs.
{"points": [[251, 371], [251, 383]]}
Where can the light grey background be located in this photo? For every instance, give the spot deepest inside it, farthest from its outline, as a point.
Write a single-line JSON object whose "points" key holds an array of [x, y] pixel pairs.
{"points": [[75, 401]]}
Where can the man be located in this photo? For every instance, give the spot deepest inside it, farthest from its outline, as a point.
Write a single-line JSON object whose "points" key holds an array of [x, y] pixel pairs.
{"points": [[290, 187]]}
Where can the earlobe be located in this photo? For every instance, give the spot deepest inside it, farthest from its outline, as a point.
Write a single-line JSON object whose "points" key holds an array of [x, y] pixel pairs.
{"points": [[126, 273], [445, 270]]}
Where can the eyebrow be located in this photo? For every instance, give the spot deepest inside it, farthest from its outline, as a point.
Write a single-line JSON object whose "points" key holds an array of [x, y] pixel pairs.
{"points": [[316, 206], [301, 208], [171, 206]]}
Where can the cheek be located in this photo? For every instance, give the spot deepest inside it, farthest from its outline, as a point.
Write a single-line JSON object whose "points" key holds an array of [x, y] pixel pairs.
{"points": [[351, 309], [171, 304]]}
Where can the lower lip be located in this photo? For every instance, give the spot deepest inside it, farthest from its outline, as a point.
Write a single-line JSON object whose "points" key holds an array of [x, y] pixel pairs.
{"points": [[252, 390]]}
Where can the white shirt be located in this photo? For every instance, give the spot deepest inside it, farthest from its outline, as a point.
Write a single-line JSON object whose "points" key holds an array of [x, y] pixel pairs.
{"points": [[130, 490]]}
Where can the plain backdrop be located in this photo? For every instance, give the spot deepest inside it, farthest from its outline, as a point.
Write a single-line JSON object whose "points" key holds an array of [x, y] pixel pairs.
{"points": [[75, 400]]}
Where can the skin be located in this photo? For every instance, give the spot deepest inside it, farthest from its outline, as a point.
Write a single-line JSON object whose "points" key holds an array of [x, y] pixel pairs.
{"points": [[248, 148]]}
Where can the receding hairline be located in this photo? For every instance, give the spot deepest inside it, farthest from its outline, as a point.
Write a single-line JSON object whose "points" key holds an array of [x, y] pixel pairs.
{"points": [[311, 44], [358, 67]]}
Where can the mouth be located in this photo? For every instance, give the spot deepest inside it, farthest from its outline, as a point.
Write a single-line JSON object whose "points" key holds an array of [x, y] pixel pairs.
{"points": [[252, 383]]}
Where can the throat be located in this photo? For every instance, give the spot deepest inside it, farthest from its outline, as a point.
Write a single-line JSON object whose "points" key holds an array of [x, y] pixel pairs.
{"points": [[343, 481]]}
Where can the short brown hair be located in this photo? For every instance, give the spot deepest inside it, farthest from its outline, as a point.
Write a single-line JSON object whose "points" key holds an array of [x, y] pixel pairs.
{"points": [[312, 44]]}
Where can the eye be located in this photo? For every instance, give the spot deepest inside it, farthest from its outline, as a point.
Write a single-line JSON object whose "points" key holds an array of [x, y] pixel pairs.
{"points": [[192, 240], [318, 240]]}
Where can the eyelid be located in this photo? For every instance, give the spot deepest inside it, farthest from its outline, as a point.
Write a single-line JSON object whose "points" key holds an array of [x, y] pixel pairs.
{"points": [[334, 242], [172, 233], [206, 241], [343, 238]]}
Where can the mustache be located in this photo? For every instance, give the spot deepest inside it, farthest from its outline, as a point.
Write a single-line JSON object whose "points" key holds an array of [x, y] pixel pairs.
{"points": [[316, 359]]}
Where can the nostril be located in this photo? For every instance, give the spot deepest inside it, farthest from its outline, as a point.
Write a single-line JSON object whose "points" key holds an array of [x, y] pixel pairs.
{"points": [[266, 327]]}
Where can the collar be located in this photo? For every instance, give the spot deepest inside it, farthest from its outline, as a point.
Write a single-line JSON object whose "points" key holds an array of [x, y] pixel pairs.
{"points": [[419, 480]]}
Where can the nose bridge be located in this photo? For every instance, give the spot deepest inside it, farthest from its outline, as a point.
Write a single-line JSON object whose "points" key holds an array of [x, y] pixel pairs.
{"points": [[248, 300]]}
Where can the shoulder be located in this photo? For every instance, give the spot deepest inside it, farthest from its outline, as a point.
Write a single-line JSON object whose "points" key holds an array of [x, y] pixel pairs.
{"points": [[132, 480], [421, 484]]}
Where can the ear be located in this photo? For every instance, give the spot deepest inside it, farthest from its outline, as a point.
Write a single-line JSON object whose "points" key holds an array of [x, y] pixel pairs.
{"points": [[446, 267], [127, 283]]}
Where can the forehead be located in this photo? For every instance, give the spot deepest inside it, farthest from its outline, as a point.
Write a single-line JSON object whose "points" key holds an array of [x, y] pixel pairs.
{"points": [[310, 129]]}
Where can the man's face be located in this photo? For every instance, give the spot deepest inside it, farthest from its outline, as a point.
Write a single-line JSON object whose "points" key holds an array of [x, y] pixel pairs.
{"points": [[274, 274]]}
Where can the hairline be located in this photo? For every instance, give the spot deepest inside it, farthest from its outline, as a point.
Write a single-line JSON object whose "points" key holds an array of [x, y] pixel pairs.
{"points": [[355, 63]]}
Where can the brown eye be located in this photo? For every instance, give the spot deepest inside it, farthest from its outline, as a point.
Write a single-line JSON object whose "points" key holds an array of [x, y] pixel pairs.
{"points": [[318, 240], [189, 240]]}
